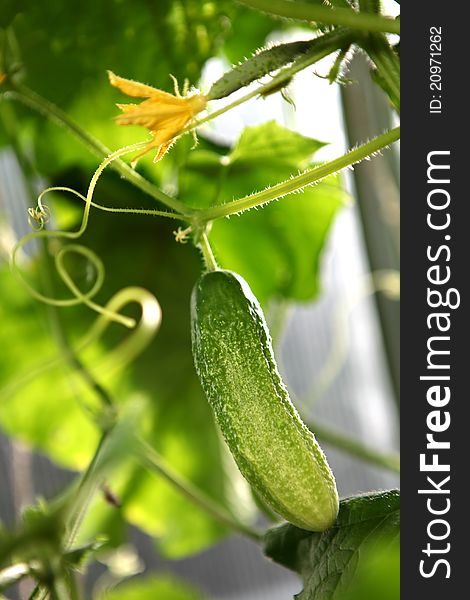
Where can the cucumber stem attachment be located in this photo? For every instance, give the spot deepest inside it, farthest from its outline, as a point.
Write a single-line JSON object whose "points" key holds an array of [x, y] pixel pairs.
{"points": [[202, 242]]}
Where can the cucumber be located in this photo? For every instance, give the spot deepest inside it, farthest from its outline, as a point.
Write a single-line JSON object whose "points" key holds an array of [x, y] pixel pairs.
{"points": [[274, 450]]}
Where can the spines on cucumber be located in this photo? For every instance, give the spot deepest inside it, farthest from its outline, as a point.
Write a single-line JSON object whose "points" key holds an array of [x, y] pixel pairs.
{"points": [[273, 448]]}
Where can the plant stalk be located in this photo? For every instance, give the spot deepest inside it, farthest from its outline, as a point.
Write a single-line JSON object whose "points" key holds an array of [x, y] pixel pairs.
{"points": [[303, 180], [325, 15], [154, 462], [53, 112]]}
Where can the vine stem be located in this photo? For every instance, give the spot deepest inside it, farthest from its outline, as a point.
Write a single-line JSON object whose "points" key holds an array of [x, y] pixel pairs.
{"points": [[387, 63], [325, 46], [304, 179], [155, 463], [86, 489], [91, 478], [390, 461], [53, 112], [198, 215], [325, 14], [208, 255]]}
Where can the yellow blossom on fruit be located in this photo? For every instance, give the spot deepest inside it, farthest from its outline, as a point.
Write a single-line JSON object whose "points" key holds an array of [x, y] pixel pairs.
{"points": [[164, 115], [2, 77]]}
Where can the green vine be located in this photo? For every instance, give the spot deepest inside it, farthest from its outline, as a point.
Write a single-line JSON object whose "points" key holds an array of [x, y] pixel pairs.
{"points": [[325, 15]]}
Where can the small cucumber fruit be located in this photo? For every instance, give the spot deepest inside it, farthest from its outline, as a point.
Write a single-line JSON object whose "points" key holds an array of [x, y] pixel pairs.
{"points": [[273, 448]]}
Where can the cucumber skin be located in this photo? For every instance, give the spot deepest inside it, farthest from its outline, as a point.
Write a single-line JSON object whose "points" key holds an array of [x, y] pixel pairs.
{"points": [[272, 447]]}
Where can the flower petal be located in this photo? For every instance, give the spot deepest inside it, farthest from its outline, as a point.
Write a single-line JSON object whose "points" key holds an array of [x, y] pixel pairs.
{"points": [[164, 115], [140, 90], [127, 107], [148, 147], [155, 117]]}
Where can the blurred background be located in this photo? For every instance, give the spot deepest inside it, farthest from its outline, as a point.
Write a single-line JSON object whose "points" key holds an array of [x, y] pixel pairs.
{"points": [[329, 287]]}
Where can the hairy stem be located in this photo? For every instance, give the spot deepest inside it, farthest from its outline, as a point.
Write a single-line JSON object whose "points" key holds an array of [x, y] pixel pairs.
{"points": [[53, 112], [321, 46], [325, 14], [208, 255], [304, 179]]}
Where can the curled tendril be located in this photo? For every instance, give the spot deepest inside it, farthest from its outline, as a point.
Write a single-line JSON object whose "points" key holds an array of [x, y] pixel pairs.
{"points": [[120, 356], [39, 216]]}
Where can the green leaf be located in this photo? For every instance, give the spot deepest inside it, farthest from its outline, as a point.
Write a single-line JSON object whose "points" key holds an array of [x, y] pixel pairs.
{"points": [[327, 561], [377, 575], [272, 144], [276, 249], [287, 238], [177, 420], [264, 154], [65, 60], [255, 26], [165, 587]]}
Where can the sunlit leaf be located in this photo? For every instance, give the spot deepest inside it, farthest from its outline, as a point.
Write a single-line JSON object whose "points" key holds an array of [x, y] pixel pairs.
{"points": [[164, 587]]}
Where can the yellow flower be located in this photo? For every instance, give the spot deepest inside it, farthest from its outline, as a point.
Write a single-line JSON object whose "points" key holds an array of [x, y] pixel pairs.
{"points": [[163, 114], [2, 77]]}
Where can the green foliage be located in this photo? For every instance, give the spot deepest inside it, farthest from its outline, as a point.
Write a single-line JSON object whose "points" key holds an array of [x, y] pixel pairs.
{"points": [[65, 59], [162, 380], [327, 561], [278, 250], [140, 251], [36, 546], [377, 575], [263, 155], [286, 237], [39, 535], [155, 588], [135, 38]]}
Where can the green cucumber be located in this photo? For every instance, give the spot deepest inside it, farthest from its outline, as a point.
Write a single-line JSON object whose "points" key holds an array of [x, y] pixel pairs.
{"points": [[274, 450], [263, 62]]}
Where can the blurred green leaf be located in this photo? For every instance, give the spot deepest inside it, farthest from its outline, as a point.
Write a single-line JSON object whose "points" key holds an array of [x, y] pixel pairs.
{"points": [[377, 575], [34, 411], [327, 561], [38, 535], [264, 154], [177, 420], [65, 59], [164, 587], [271, 145], [255, 26], [137, 38]]}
